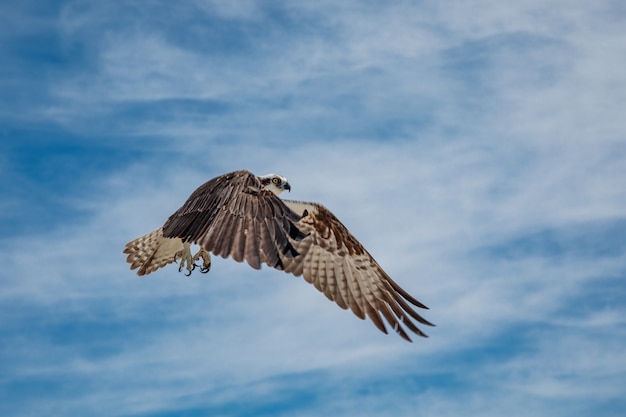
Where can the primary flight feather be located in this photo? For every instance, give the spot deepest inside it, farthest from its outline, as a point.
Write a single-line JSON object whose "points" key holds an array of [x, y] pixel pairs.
{"points": [[239, 215]]}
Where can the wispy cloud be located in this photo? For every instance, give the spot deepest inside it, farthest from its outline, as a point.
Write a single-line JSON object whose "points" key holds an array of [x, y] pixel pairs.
{"points": [[476, 150]]}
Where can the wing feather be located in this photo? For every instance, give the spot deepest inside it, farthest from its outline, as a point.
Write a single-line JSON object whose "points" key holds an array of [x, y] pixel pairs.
{"points": [[336, 263], [268, 249], [233, 215], [333, 292], [239, 239], [372, 313], [225, 234], [251, 253], [351, 293]]}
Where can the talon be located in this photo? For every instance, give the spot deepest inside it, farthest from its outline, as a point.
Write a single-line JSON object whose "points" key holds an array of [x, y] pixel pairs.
{"points": [[206, 260], [182, 261], [186, 260], [189, 262]]}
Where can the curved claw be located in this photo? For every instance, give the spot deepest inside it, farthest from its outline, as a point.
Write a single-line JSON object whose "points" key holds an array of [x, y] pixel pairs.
{"points": [[206, 260], [189, 262], [180, 267], [185, 257], [193, 266]]}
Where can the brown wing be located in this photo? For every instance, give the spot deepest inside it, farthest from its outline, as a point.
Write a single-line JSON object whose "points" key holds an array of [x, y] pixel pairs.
{"points": [[232, 215], [339, 266]]}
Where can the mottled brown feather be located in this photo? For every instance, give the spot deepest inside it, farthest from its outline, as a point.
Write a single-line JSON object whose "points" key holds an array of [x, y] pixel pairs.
{"points": [[336, 263], [233, 215]]}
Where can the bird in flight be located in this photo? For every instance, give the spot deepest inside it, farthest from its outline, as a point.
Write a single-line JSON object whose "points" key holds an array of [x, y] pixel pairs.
{"points": [[240, 215]]}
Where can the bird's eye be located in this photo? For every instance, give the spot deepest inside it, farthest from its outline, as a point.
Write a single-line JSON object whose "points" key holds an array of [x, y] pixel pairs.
{"points": [[275, 180]]}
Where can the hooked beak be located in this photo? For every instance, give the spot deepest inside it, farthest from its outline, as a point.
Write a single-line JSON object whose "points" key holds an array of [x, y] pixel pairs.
{"points": [[287, 187]]}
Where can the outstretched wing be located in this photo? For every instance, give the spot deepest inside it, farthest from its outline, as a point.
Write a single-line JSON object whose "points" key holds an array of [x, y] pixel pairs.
{"points": [[233, 215], [338, 265]]}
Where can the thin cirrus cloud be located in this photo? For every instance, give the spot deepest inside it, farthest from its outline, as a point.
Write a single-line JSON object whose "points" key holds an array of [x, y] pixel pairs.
{"points": [[477, 152]]}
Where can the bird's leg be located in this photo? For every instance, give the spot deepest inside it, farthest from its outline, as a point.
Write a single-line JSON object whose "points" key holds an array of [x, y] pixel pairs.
{"points": [[206, 260], [186, 261], [189, 262]]}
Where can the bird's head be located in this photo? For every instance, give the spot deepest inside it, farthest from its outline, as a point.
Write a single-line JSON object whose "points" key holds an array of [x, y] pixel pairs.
{"points": [[275, 183]]}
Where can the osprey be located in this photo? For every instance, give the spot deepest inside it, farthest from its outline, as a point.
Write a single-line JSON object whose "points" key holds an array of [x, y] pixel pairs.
{"points": [[240, 215]]}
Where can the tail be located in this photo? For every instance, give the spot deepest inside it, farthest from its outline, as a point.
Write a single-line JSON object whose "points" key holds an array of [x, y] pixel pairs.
{"points": [[152, 251]]}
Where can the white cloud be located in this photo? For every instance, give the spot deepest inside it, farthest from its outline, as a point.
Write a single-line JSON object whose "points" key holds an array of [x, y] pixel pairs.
{"points": [[260, 325], [504, 120]]}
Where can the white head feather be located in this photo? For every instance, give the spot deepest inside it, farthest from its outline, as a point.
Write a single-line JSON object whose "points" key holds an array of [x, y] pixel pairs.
{"points": [[275, 183]]}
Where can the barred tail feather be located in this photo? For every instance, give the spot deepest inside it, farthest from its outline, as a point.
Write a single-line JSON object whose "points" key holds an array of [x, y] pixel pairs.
{"points": [[152, 251]]}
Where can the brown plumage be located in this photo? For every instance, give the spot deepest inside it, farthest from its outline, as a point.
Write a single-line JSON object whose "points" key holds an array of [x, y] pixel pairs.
{"points": [[235, 215], [239, 215]]}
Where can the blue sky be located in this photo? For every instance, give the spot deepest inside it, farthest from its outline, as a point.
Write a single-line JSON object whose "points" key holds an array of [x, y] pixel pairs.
{"points": [[477, 149]]}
